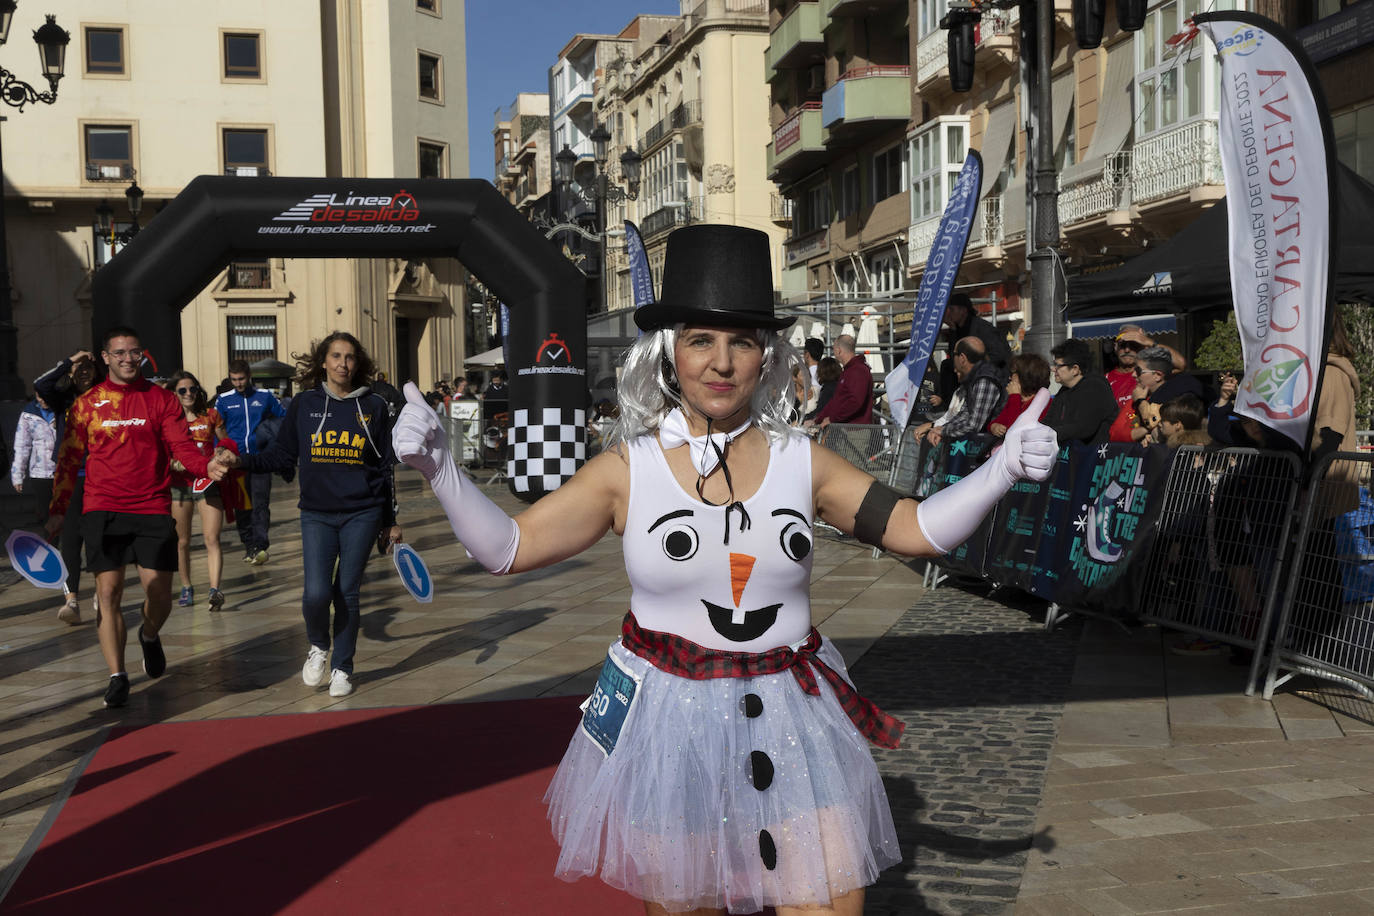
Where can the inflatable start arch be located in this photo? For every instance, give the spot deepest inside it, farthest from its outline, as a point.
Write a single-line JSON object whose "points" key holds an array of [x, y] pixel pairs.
{"points": [[216, 220]]}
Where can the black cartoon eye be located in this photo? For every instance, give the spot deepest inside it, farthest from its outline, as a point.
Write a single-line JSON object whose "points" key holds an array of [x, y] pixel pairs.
{"points": [[680, 542], [795, 540]]}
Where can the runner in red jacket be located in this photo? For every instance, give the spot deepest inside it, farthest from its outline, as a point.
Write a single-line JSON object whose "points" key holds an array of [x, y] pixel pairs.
{"points": [[127, 430]]}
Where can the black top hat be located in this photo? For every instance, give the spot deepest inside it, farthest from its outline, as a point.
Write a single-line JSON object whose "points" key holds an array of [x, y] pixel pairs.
{"points": [[715, 275]]}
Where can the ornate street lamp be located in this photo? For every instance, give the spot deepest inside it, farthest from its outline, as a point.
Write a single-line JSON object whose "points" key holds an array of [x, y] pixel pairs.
{"points": [[52, 42], [602, 191], [104, 217]]}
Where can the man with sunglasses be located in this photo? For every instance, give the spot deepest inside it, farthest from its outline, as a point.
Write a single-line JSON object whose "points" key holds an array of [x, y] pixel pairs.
{"points": [[1130, 340], [127, 430]]}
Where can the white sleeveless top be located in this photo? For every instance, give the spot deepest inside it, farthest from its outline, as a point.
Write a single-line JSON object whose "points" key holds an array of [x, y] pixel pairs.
{"points": [[751, 594]]}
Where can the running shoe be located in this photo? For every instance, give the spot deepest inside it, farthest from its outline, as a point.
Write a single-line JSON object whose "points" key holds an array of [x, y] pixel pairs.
{"points": [[259, 558], [154, 661], [339, 684], [70, 614], [117, 693], [216, 601], [188, 596], [313, 672]]}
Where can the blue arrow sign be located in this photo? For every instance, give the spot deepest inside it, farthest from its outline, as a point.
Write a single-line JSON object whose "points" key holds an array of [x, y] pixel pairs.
{"points": [[413, 572], [36, 560]]}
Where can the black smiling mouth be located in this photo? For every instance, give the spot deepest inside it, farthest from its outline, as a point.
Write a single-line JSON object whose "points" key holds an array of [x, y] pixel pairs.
{"points": [[756, 622]]}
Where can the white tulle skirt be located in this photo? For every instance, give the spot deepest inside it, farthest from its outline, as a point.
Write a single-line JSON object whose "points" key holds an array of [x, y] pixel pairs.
{"points": [[672, 815]]}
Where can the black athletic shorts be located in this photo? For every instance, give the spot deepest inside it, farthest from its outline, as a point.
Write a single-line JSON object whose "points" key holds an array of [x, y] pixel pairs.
{"points": [[116, 539]]}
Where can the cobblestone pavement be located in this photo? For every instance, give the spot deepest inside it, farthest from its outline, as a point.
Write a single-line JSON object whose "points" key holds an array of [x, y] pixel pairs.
{"points": [[981, 688]]}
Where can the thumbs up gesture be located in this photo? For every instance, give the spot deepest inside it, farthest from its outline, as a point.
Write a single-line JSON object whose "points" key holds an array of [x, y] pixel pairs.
{"points": [[1030, 448], [418, 438]]}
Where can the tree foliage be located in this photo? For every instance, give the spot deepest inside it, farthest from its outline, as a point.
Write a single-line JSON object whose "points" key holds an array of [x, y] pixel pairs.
{"points": [[1220, 349]]}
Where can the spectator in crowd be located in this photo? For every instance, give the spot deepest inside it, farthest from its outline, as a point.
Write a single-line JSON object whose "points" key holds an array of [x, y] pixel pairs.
{"points": [[127, 430], [394, 399], [244, 408], [496, 402], [1129, 341], [1181, 423], [1029, 373], [962, 320], [977, 399], [207, 428], [60, 386], [813, 351], [35, 438], [1159, 382], [852, 401], [1085, 407], [339, 436], [828, 373]]}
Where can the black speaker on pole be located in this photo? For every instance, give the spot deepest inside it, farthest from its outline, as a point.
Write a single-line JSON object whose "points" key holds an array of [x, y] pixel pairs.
{"points": [[1130, 15], [1089, 19], [961, 47]]}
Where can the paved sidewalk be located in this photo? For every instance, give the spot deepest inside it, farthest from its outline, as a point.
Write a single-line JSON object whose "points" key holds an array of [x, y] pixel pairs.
{"points": [[1081, 771]]}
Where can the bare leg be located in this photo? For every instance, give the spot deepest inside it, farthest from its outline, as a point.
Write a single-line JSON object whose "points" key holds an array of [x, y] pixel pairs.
{"points": [[181, 514], [157, 586], [109, 619], [851, 904], [211, 521], [656, 909]]}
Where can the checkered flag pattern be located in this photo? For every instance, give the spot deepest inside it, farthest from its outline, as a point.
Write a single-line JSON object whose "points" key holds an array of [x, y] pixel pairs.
{"points": [[547, 446]]}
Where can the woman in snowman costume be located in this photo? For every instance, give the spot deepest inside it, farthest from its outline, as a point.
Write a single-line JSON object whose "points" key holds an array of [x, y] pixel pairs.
{"points": [[722, 762]]}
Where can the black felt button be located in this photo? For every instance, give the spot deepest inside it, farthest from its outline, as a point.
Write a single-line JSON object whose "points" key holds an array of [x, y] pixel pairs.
{"points": [[752, 704], [762, 766], [767, 851]]}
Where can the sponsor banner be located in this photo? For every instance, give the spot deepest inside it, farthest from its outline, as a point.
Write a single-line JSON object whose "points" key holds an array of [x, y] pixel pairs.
{"points": [[641, 278], [942, 269], [1276, 156], [1080, 539], [350, 214]]}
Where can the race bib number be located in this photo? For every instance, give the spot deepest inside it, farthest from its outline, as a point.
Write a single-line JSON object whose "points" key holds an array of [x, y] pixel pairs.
{"points": [[604, 712]]}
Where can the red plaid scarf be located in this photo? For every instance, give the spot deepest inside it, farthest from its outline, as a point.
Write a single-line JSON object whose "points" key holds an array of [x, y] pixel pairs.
{"points": [[684, 658]]}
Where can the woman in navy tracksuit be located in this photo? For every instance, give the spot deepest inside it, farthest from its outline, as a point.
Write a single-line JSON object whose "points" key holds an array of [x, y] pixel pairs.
{"points": [[337, 433]]}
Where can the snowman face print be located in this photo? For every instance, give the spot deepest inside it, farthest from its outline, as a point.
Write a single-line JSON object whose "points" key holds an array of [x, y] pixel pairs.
{"points": [[752, 584]]}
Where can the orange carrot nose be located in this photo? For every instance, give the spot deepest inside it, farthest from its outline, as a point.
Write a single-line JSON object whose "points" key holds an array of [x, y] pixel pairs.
{"points": [[741, 565]]}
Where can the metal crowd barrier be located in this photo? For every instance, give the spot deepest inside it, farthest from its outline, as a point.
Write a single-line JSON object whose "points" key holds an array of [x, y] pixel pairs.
{"points": [[872, 448], [1220, 541], [1326, 628]]}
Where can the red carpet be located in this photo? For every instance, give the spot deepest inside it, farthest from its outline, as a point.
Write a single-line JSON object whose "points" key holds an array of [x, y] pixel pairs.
{"points": [[433, 809]]}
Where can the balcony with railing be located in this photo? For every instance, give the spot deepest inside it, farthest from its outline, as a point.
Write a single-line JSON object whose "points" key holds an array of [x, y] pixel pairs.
{"points": [[1176, 162], [684, 115], [839, 8], [932, 57], [986, 236], [796, 39], [673, 214], [873, 95], [249, 275], [578, 96], [798, 141], [109, 171], [1094, 195], [780, 209]]}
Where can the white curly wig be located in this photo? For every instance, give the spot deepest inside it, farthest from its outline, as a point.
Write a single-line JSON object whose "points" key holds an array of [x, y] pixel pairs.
{"points": [[648, 388]]}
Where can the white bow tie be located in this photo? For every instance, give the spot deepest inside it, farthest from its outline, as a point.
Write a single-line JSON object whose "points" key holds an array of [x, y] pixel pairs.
{"points": [[673, 431]]}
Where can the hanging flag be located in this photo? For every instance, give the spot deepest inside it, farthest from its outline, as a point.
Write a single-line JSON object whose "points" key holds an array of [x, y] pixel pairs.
{"points": [[1278, 160], [937, 282], [641, 278]]}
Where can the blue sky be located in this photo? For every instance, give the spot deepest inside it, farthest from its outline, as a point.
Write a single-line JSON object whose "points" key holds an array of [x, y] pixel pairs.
{"points": [[512, 44]]}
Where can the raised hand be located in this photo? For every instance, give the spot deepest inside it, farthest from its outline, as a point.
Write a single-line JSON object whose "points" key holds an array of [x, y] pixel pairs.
{"points": [[1030, 446], [418, 437]]}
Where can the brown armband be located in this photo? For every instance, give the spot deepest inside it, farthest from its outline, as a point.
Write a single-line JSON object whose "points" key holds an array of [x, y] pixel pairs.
{"points": [[870, 522]]}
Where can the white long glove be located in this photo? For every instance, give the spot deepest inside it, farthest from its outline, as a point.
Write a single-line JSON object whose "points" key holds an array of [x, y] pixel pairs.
{"points": [[950, 516], [489, 534]]}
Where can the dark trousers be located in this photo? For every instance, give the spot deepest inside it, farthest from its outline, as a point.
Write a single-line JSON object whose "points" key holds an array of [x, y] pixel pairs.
{"points": [[70, 543], [327, 538], [39, 489], [253, 523]]}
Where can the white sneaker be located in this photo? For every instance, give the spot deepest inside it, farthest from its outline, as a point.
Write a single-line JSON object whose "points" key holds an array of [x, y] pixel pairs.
{"points": [[313, 672], [339, 684]]}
